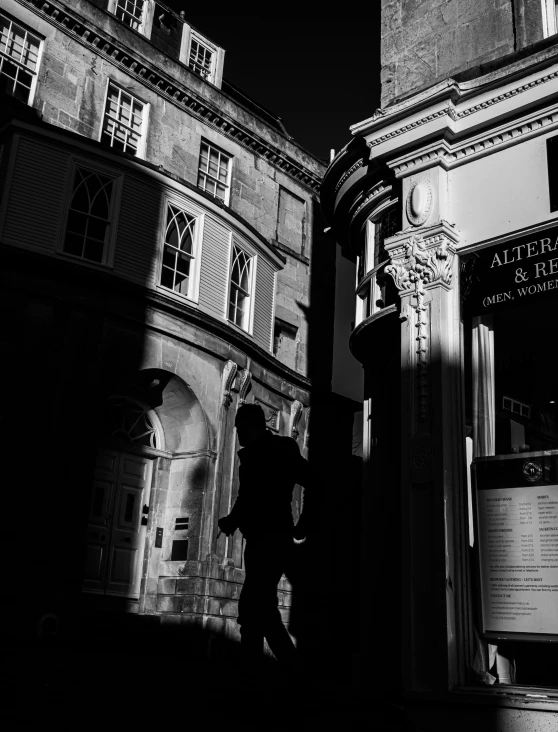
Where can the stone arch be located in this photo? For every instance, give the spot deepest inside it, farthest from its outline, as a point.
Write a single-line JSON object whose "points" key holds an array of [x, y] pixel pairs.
{"points": [[178, 409]]}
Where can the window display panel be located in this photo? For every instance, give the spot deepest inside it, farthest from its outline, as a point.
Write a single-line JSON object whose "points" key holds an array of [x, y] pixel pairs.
{"points": [[512, 421]]}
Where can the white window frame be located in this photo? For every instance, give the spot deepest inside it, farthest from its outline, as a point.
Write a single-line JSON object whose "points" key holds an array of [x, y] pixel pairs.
{"points": [[146, 19], [144, 119], [549, 23], [110, 244], [252, 285], [197, 246], [189, 35], [36, 37], [229, 171]]}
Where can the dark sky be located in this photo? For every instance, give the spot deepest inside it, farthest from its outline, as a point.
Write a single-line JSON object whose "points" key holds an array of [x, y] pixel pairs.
{"points": [[319, 75]]}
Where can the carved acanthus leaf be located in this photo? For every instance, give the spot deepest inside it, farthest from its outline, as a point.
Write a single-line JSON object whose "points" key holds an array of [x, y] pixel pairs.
{"points": [[229, 374], [244, 387]]}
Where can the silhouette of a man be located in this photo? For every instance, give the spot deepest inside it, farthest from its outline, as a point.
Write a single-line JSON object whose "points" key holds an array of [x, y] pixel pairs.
{"points": [[270, 466]]}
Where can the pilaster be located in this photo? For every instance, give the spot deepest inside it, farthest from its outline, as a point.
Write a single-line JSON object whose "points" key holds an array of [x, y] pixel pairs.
{"points": [[424, 269]]}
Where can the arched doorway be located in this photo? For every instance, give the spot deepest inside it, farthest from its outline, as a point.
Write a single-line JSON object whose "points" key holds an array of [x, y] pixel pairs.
{"points": [[120, 497]]}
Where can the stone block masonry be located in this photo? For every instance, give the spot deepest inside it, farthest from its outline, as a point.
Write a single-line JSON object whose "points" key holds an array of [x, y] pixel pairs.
{"points": [[424, 41]]}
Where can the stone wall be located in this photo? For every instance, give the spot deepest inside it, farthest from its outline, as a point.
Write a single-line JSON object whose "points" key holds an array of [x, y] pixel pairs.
{"points": [[71, 94], [424, 41]]}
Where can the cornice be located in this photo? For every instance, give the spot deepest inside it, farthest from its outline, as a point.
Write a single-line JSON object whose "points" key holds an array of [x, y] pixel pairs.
{"points": [[168, 88], [377, 193], [454, 114], [451, 155]]}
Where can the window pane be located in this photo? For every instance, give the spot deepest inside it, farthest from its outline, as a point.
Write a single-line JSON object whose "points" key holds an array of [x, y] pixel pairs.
{"points": [[77, 223], [181, 283], [96, 229], [167, 277], [169, 258], [93, 250], [73, 244]]}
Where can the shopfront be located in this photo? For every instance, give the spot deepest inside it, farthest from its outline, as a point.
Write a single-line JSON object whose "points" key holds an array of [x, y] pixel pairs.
{"points": [[461, 410]]}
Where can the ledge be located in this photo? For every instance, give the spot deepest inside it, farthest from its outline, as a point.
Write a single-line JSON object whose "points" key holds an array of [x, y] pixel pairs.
{"points": [[514, 697]]}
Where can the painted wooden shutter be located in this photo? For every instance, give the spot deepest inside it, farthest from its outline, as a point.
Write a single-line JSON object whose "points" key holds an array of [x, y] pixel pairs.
{"points": [[138, 241], [263, 303], [36, 198], [214, 268]]}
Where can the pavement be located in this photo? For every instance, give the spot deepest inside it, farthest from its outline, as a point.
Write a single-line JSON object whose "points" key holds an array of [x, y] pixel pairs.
{"points": [[146, 687]]}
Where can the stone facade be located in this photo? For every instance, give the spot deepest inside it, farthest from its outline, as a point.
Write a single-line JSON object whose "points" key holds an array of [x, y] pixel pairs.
{"points": [[454, 165], [424, 41], [112, 336]]}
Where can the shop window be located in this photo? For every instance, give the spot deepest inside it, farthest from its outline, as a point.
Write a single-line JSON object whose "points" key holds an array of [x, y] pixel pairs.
{"points": [[512, 419], [88, 224], [19, 60], [214, 173], [240, 296], [124, 121], [180, 256]]}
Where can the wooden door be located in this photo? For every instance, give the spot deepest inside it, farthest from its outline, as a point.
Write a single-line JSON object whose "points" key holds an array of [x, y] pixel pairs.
{"points": [[116, 535]]}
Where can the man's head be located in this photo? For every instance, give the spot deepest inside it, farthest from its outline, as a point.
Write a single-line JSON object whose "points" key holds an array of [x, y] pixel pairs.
{"points": [[250, 423]]}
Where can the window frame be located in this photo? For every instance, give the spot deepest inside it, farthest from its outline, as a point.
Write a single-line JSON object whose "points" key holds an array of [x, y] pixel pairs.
{"points": [[548, 13], [197, 248], [140, 152], [252, 285], [188, 35], [146, 24], [220, 150], [110, 245], [41, 40]]}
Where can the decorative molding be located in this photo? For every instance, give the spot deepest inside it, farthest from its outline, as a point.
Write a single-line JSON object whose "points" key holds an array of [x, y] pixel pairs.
{"points": [[272, 414], [347, 174], [170, 89], [454, 114], [451, 157], [418, 205], [376, 192], [244, 386], [427, 261], [229, 374], [415, 264], [296, 413], [411, 126]]}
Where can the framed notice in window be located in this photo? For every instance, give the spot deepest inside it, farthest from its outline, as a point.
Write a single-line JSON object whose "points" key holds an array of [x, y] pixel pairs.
{"points": [[516, 510]]}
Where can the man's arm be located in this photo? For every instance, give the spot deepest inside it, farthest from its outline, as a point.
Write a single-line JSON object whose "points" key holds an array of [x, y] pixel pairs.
{"points": [[229, 524]]}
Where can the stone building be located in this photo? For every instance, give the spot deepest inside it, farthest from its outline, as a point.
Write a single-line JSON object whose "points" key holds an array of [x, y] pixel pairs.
{"points": [[163, 262], [446, 196]]}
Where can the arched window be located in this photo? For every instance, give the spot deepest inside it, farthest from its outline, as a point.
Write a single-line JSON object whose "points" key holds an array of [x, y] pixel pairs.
{"points": [[130, 422]]}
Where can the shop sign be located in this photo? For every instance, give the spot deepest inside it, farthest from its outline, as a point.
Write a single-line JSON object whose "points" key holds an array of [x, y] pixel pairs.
{"points": [[508, 274], [517, 533]]}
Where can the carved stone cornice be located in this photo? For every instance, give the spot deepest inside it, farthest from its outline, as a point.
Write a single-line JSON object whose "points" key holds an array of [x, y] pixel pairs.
{"points": [[347, 174], [373, 196], [450, 156], [174, 91], [229, 374]]}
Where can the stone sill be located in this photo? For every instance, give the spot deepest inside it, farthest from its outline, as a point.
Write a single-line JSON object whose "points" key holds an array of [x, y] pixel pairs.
{"points": [[516, 697]]}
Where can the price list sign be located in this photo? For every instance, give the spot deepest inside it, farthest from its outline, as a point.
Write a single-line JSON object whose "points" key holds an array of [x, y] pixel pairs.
{"points": [[518, 549]]}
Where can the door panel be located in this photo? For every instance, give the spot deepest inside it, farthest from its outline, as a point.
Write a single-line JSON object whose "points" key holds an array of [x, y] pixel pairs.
{"points": [[115, 536], [100, 520], [128, 535]]}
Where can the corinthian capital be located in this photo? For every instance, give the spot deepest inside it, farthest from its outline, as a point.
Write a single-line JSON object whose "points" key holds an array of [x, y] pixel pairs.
{"points": [[417, 261]]}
